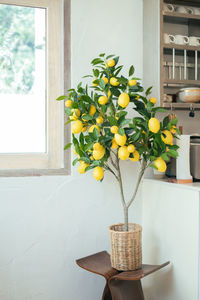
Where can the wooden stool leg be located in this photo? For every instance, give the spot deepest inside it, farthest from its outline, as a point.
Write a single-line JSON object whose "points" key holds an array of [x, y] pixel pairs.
{"points": [[106, 293], [126, 290]]}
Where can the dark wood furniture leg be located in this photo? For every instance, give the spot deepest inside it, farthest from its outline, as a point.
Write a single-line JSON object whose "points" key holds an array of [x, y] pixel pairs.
{"points": [[119, 285], [126, 290]]}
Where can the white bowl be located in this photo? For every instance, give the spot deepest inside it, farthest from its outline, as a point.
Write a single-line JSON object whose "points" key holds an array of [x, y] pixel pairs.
{"points": [[188, 95]]}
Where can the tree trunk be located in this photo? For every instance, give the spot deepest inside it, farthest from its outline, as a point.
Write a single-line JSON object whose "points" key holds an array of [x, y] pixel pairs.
{"points": [[125, 218]]}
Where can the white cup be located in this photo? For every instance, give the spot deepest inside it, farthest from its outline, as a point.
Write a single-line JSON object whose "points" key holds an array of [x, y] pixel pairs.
{"points": [[168, 38], [196, 10], [181, 39], [194, 41], [184, 10], [168, 7]]}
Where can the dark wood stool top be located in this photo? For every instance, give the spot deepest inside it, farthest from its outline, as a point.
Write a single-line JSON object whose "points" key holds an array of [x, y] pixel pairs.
{"points": [[119, 285]]}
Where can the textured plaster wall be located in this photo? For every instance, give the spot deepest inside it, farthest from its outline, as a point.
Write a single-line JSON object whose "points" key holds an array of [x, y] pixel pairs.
{"points": [[48, 222]]}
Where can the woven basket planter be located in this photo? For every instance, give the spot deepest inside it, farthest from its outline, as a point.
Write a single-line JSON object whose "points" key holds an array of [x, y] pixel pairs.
{"points": [[126, 247]]}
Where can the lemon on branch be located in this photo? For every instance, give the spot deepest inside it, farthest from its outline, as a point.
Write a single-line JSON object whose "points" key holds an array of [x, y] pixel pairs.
{"points": [[68, 103], [110, 63], [93, 127], [123, 153], [123, 100], [105, 79], [153, 100], [109, 93], [113, 81], [120, 139], [77, 126], [154, 125], [114, 144], [99, 120], [92, 110], [160, 164], [82, 166], [131, 148], [98, 173], [98, 152], [93, 83], [114, 129], [173, 129], [136, 156], [167, 137], [132, 82], [103, 100]]}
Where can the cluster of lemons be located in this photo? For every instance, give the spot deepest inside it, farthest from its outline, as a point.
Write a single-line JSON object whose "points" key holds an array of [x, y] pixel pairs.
{"points": [[125, 150], [167, 138]]}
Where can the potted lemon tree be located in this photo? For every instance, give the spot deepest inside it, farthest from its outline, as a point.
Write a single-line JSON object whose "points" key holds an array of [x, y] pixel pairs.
{"points": [[103, 136]]}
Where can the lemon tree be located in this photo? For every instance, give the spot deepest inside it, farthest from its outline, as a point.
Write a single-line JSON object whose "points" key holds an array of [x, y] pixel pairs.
{"points": [[103, 134]]}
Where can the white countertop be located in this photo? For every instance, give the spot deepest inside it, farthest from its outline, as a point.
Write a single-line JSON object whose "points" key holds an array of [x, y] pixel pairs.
{"points": [[195, 186]]}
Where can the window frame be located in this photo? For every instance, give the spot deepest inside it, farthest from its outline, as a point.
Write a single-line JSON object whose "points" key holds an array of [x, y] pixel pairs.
{"points": [[55, 161]]}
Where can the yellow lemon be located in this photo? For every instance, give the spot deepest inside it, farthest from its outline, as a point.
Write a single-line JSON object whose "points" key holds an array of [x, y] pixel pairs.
{"points": [[68, 103], [109, 93], [99, 120], [173, 129], [132, 82], [154, 125], [93, 127], [76, 112], [98, 173], [77, 126], [120, 139], [82, 166], [103, 100], [92, 110], [91, 157], [94, 84], [167, 138], [136, 156], [110, 63], [160, 164], [114, 129], [153, 100], [97, 146], [137, 97], [131, 148], [114, 144], [105, 79], [123, 100], [99, 153], [123, 153], [113, 81], [83, 118], [84, 128]]}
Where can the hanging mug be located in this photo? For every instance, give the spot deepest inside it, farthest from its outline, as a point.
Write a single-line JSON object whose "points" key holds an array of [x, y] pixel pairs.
{"points": [[168, 38], [168, 7], [181, 39]]}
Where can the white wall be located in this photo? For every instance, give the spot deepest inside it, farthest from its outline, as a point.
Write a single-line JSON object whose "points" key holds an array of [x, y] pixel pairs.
{"points": [[48, 222]]}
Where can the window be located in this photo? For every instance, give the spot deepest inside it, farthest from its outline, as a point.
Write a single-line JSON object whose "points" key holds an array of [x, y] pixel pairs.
{"points": [[31, 127]]}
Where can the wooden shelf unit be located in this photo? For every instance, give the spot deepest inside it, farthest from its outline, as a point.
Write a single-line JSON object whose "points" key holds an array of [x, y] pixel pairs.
{"points": [[183, 24]]}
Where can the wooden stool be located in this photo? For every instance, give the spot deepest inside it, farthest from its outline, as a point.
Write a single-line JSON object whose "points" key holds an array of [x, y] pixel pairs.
{"points": [[119, 285]]}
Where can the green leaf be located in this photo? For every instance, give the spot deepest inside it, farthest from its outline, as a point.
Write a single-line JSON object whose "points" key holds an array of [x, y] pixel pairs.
{"points": [[87, 118], [95, 133], [172, 153], [81, 139], [135, 136], [86, 76], [109, 56], [112, 121], [131, 71], [67, 146], [148, 91], [75, 161], [164, 156], [121, 131], [102, 54], [178, 131], [66, 123], [88, 146], [104, 109], [165, 121], [159, 109], [121, 113], [61, 98], [174, 121], [96, 72], [125, 122], [102, 83], [97, 61], [85, 159], [153, 166]]}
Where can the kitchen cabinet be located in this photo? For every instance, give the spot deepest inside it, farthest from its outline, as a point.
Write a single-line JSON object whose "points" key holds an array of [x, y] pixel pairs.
{"points": [[174, 64], [171, 231]]}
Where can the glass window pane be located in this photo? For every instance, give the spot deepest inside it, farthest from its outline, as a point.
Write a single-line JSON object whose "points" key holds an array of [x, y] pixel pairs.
{"points": [[22, 79]]}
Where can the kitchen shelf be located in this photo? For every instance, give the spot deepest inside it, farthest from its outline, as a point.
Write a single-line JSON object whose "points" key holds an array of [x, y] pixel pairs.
{"points": [[182, 82], [180, 105], [181, 47], [180, 15]]}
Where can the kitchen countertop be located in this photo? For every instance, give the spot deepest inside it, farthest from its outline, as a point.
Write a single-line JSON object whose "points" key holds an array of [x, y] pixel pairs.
{"points": [[195, 186]]}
